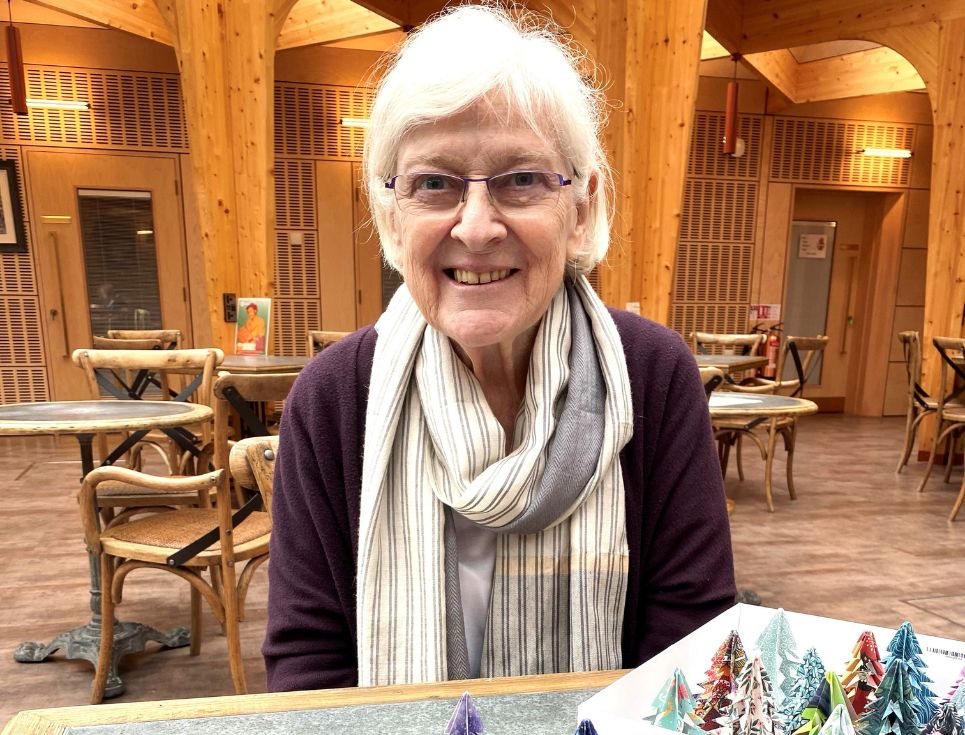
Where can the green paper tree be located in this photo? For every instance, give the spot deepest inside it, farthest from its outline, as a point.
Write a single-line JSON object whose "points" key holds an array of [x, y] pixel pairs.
{"points": [[725, 667], [839, 722], [807, 679], [863, 672], [779, 655], [674, 707], [751, 710], [828, 696], [947, 721], [904, 645], [893, 710]]}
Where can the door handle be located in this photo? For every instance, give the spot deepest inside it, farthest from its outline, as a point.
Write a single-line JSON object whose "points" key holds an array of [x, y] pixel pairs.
{"points": [[55, 248]]}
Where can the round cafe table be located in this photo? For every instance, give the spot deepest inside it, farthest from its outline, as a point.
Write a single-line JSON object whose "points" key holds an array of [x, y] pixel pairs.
{"points": [[84, 420]]}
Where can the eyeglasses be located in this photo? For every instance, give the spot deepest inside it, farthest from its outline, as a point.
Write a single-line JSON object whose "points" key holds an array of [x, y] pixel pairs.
{"points": [[514, 191]]}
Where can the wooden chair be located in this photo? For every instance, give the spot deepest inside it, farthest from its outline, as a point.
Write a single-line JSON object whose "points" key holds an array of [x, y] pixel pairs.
{"points": [[764, 432], [170, 339], [949, 412], [185, 541], [920, 404], [318, 340], [711, 377], [726, 344], [252, 464], [182, 451], [235, 393]]}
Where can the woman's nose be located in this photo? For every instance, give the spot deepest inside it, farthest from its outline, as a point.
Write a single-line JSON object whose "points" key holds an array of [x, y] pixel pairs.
{"points": [[479, 223]]}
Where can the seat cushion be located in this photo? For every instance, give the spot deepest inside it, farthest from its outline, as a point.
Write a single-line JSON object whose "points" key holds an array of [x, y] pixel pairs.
{"points": [[177, 528]]}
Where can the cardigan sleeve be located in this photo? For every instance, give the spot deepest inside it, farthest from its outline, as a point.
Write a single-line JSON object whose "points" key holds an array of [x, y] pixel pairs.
{"points": [[310, 641], [681, 567]]}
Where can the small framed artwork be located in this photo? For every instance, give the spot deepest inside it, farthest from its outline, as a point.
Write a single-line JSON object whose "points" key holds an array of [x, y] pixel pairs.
{"points": [[12, 236], [251, 329]]}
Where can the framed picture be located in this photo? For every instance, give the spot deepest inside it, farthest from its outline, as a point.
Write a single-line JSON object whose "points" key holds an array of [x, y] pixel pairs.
{"points": [[12, 236], [251, 329]]}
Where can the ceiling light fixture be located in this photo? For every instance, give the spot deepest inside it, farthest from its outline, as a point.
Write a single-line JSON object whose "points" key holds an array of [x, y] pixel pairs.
{"points": [[354, 122], [58, 104], [886, 152]]}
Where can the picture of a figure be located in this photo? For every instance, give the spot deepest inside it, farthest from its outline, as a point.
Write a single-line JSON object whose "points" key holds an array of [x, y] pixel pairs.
{"points": [[252, 332]]}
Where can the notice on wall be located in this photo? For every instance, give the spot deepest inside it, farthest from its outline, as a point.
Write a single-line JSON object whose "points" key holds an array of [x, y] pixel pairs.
{"points": [[765, 312], [812, 246]]}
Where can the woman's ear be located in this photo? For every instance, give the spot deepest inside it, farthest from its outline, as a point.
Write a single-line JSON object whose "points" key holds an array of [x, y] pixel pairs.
{"points": [[577, 239]]}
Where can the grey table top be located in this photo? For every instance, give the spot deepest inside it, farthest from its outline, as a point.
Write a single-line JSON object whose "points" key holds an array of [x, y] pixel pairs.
{"points": [[725, 403], [262, 364], [74, 417], [731, 363]]}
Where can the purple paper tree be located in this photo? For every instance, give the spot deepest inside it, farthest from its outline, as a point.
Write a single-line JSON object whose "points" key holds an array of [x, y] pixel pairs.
{"points": [[585, 728], [465, 719]]}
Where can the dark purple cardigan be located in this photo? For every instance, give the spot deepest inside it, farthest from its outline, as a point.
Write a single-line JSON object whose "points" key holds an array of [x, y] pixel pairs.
{"points": [[681, 570]]}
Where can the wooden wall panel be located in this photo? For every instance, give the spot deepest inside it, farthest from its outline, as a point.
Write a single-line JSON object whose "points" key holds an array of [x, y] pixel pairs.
{"points": [[336, 245]]}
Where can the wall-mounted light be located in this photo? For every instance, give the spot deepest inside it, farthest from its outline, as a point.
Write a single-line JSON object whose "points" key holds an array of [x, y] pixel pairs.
{"points": [[886, 152], [58, 104], [145, 232], [354, 122]]}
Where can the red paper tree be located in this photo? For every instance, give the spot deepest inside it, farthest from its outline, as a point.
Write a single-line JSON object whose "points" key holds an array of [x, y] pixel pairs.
{"points": [[863, 672], [726, 665]]}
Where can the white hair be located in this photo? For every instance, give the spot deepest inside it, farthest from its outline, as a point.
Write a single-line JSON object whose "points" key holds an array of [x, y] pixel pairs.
{"points": [[474, 52]]}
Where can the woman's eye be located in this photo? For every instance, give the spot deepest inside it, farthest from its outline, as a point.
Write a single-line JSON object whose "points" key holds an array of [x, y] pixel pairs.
{"points": [[523, 178], [433, 183]]}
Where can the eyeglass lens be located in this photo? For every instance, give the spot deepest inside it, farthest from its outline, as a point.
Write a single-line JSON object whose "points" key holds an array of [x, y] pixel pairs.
{"points": [[443, 192]]}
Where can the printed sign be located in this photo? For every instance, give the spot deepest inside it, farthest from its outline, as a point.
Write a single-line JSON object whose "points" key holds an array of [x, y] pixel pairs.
{"points": [[251, 329], [765, 312], [812, 246]]}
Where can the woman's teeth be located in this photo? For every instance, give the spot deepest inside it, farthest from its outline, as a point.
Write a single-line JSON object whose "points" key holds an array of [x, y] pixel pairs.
{"points": [[472, 278]]}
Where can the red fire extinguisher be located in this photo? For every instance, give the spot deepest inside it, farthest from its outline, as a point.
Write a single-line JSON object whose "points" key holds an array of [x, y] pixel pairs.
{"points": [[773, 346]]}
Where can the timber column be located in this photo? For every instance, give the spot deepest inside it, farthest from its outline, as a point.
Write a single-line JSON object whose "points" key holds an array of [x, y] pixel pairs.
{"points": [[226, 55]]}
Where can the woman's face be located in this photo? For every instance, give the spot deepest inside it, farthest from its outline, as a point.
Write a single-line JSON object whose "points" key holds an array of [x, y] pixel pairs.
{"points": [[480, 276]]}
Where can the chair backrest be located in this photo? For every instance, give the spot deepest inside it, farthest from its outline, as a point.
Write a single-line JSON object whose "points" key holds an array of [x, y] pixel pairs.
{"points": [[318, 340], [169, 338], [726, 344], [253, 465], [711, 377], [802, 354], [117, 343], [952, 377], [911, 349], [236, 391]]}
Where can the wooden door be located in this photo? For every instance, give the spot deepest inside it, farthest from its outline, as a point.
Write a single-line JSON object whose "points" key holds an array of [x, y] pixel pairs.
{"points": [[110, 251], [368, 256]]}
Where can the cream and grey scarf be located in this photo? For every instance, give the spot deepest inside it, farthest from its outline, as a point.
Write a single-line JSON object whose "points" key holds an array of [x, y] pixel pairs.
{"points": [[433, 447]]}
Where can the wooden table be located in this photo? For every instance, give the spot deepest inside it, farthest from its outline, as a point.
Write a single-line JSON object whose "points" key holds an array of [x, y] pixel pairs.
{"points": [[731, 363], [59, 721], [262, 364], [83, 420]]}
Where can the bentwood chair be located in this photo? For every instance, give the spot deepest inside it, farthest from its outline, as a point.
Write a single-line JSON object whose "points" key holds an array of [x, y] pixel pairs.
{"points": [[711, 377], [185, 541], [726, 344], [949, 412], [252, 464], [801, 352], [318, 340], [170, 339], [919, 403]]}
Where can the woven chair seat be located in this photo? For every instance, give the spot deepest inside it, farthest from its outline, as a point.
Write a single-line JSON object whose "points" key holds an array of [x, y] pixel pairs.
{"points": [[176, 529]]}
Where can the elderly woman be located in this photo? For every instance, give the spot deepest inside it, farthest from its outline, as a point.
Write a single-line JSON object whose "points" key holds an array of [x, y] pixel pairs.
{"points": [[501, 476]]}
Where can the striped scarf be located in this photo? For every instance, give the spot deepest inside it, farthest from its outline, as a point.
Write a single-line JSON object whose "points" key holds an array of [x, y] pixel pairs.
{"points": [[432, 446]]}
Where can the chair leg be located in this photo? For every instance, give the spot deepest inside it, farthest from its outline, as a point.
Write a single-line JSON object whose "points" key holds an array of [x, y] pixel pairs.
{"points": [[931, 458], [958, 501], [232, 627], [910, 431], [107, 631], [740, 464], [769, 464], [196, 621], [790, 439]]}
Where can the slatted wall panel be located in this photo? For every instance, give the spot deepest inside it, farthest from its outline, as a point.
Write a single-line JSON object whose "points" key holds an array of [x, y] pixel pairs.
{"points": [[23, 373], [826, 152], [291, 320], [715, 249], [307, 120], [141, 111]]}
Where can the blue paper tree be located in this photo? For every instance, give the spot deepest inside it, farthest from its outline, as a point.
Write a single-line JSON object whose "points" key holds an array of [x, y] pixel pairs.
{"points": [[465, 718], [585, 728], [806, 681], [894, 709], [947, 721], [904, 645], [779, 655], [673, 707]]}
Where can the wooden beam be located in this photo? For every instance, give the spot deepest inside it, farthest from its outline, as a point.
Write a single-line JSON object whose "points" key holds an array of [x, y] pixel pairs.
{"points": [[774, 24], [140, 17], [724, 22], [875, 71], [917, 44], [779, 68], [321, 21], [398, 11], [226, 56]]}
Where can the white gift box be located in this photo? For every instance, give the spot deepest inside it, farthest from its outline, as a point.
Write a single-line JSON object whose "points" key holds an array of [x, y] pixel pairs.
{"points": [[619, 709]]}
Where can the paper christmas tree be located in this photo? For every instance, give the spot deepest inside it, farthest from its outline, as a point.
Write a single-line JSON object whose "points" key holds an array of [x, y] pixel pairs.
{"points": [[905, 646], [807, 680], [863, 672], [839, 723], [894, 708], [819, 708], [585, 728], [673, 708], [956, 695], [465, 718], [725, 667], [752, 710], [779, 655], [947, 721]]}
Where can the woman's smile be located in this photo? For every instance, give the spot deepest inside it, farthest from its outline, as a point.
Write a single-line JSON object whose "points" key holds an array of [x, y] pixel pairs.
{"points": [[480, 278]]}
